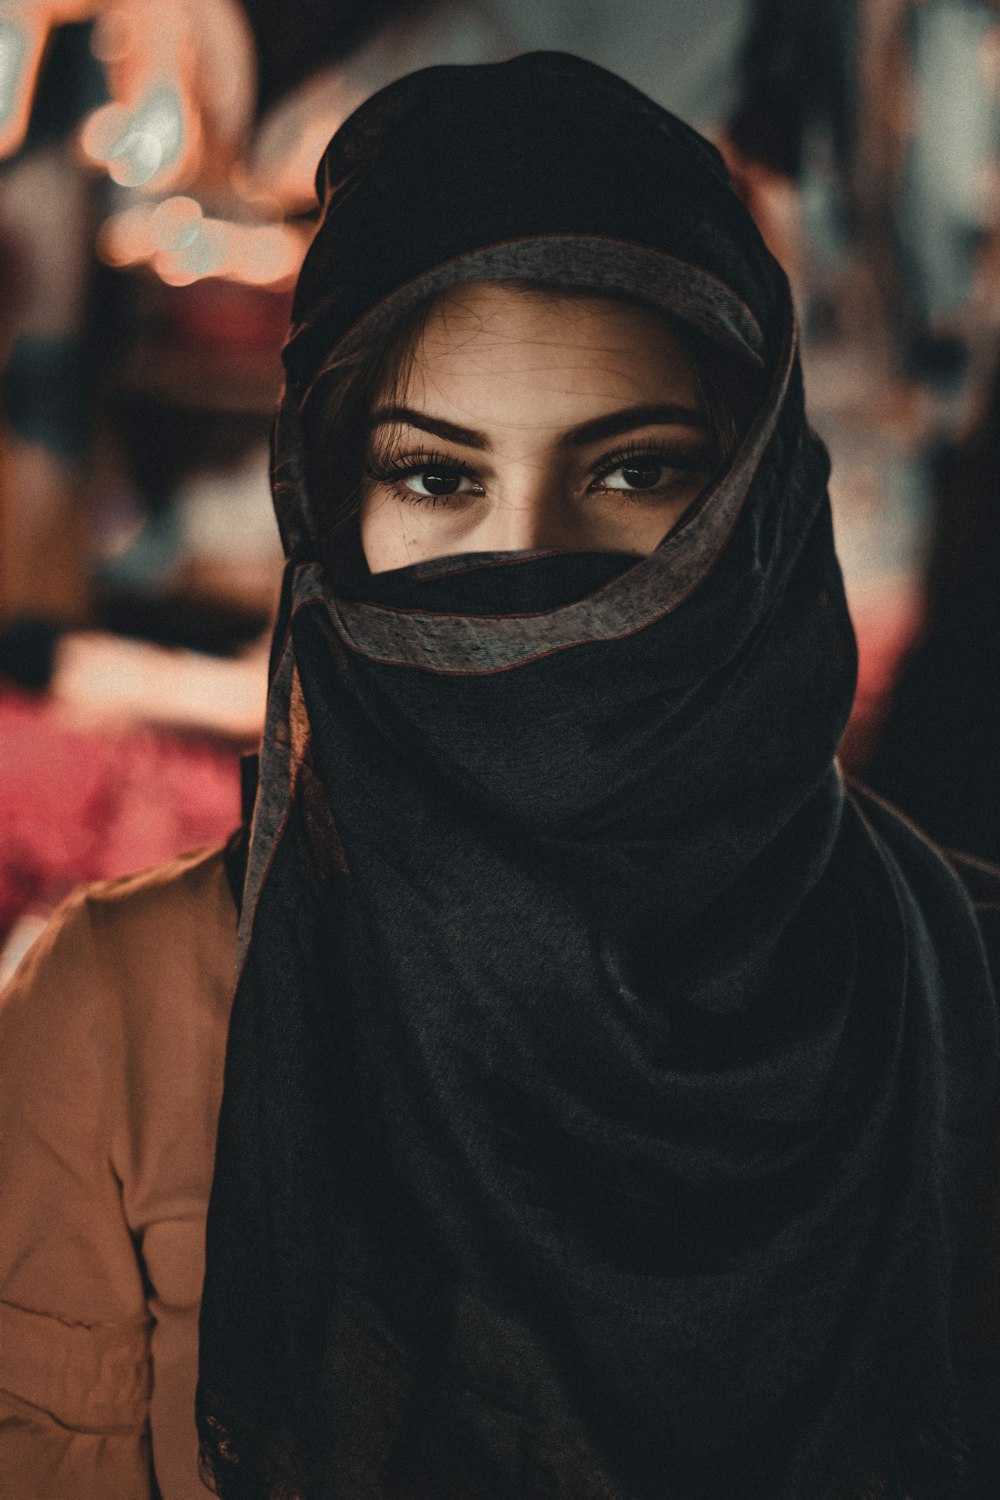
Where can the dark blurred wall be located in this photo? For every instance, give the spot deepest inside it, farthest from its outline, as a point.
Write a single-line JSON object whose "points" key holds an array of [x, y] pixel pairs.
{"points": [[682, 54], [294, 38]]}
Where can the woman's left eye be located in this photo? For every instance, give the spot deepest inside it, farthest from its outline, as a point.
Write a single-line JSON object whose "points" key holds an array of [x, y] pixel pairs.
{"points": [[648, 471], [638, 474]]}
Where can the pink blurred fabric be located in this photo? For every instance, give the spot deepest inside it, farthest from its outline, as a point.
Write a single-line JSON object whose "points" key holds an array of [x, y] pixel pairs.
{"points": [[78, 804]]}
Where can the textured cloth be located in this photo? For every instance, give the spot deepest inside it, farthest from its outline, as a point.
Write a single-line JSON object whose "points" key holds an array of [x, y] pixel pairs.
{"points": [[98, 1353], [607, 1089]]}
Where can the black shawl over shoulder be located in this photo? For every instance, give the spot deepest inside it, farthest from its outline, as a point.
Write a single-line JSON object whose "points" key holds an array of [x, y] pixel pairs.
{"points": [[606, 1085]]}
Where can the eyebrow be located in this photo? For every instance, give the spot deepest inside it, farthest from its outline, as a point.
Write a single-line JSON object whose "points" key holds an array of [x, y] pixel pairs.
{"points": [[595, 431]]}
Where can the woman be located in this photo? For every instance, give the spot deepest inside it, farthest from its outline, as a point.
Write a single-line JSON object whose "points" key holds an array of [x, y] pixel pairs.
{"points": [[608, 1090]]}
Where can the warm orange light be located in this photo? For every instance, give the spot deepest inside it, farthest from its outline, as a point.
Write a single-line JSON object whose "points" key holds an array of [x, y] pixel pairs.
{"points": [[25, 26], [182, 246], [126, 239], [114, 35], [286, 150], [181, 74], [101, 130], [268, 255], [176, 223], [156, 137], [150, 135], [185, 72], [23, 34], [170, 271]]}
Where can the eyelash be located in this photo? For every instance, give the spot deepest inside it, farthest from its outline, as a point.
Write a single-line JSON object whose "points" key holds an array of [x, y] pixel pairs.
{"points": [[393, 471]]}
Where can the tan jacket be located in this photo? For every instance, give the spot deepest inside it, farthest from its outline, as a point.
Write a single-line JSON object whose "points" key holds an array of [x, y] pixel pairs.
{"points": [[112, 1040]]}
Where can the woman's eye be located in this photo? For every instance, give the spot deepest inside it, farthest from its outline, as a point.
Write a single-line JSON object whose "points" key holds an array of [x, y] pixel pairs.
{"points": [[430, 484], [642, 472], [638, 474]]}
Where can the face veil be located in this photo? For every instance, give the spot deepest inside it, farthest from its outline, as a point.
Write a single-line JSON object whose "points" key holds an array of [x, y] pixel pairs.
{"points": [[605, 1084]]}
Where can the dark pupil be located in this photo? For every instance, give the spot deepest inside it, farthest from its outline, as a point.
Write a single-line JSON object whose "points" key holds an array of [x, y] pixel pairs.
{"points": [[641, 476], [440, 484]]}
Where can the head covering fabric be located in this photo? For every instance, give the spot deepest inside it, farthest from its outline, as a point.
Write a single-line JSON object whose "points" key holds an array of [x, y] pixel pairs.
{"points": [[606, 1084]]}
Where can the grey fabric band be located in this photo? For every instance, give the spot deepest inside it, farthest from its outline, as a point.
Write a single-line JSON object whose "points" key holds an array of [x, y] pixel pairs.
{"points": [[615, 267], [656, 585]]}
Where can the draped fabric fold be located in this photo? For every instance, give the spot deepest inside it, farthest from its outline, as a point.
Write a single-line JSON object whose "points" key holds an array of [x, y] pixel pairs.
{"points": [[606, 1083]]}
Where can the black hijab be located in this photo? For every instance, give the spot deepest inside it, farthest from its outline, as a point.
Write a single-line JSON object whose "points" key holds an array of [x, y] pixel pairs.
{"points": [[605, 1085]]}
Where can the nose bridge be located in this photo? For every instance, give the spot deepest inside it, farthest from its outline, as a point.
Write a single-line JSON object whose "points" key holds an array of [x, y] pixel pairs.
{"points": [[522, 524], [527, 510]]}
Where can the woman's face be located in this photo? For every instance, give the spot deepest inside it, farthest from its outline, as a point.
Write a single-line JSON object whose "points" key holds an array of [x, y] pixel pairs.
{"points": [[533, 420]]}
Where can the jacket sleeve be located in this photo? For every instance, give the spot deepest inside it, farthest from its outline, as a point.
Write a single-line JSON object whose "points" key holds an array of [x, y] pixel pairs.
{"points": [[112, 1047], [167, 946], [75, 1374]]}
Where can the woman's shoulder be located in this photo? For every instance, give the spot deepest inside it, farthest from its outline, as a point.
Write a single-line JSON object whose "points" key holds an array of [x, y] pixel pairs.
{"points": [[928, 864], [120, 1010], [190, 895], [893, 828], [134, 936], [173, 884], [980, 878]]}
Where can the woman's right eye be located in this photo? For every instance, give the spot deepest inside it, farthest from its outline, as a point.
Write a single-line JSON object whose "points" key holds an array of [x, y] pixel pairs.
{"points": [[423, 477], [435, 483]]}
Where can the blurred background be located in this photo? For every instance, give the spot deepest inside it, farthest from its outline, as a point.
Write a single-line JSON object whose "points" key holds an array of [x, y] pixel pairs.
{"points": [[156, 165]]}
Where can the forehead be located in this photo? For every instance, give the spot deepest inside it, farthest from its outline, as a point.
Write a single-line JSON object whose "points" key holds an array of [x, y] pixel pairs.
{"points": [[546, 341]]}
